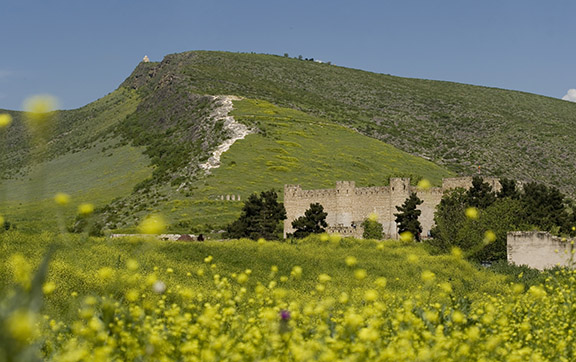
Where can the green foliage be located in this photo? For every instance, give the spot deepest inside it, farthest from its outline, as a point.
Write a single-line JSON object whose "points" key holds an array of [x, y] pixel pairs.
{"points": [[480, 194], [313, 221], [509, 189], [545, 207], [537, 206], [372, 229], [260, 218], [407, 216]]}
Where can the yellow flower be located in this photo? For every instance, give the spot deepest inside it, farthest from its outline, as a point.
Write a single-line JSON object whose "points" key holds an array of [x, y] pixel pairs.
{"points": [[1, 221], [489, 237], [39, 107], [446, 287], [323, 278], [370, 295], [381, 282], [458, 317], [456, 252], [472, 213], [5, 120], [351, 260], [62, 199], [152, 224], [373, 216], [413, 259], [48, 287], [22, 325], [406, 236], [85, 209], [423, 184], [296, 272], [360, 274], [428, 276], [132, 264]]}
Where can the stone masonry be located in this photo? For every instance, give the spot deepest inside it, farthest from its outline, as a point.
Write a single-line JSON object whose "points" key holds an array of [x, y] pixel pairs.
{"points": [[348, 206], [539, 249]]}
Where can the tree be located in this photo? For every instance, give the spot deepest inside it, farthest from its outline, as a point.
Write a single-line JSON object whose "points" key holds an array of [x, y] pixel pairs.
{"points": [[508, 190], [449, 219], [313, 221], [545, 207], [480, 195], [372, 229], [407, 217], [260, 218]]}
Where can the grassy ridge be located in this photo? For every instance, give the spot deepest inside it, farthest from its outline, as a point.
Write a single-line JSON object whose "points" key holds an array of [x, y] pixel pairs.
{"points": [[508, 133], [291, 147]]}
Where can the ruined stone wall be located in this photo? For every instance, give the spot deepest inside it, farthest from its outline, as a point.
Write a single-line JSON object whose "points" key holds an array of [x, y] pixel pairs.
{"points": [[348, 205], [539, 249]]}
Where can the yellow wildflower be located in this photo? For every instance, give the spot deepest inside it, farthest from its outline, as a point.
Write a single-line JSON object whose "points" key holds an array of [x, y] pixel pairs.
{"points": [[472, 213], [5, 120], [152, 224], [423, 185], [62, 199]]}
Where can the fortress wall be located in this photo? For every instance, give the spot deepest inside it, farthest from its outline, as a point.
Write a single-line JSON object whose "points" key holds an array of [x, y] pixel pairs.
{"points": [[466, 183], [431, 198], [348, 205], [538, 249]]}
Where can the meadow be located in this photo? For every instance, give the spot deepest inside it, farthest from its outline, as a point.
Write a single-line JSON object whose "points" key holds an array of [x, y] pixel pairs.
{"points": [[321, 298]]}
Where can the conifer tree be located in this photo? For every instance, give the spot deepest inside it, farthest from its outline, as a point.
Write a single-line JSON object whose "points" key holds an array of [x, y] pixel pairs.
{"points": [[480, 195], [260, 218], [313, 221], [407, 217]]}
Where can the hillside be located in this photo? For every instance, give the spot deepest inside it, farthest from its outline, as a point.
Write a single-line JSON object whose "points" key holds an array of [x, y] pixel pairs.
{"points": [[312, 124]]}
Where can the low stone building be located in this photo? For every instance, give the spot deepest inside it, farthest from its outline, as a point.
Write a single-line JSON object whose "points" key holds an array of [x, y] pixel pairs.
{"points": [[348, 206]]}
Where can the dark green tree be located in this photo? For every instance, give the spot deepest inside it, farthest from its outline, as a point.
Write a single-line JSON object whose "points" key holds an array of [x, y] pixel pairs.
{"points": [[260, 218], [313, 221], [372, 229], [480, 195], [508, 190], [448, 219], [545, 207], [407, 217]]}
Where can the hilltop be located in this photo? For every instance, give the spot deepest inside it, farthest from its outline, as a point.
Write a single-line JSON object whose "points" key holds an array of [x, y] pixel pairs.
{"points": [[138, 150]]}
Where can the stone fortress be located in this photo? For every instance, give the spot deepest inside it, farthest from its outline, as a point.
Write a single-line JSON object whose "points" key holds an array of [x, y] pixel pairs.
{"points": [[348, 206]]}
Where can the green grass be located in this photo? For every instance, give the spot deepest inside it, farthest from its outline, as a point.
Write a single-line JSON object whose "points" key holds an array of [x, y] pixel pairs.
{"points": [[76, 261], [292, 148], [96, 175]]}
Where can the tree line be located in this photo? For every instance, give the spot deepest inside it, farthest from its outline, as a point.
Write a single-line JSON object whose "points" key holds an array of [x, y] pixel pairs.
{"points": [[476, 220]]}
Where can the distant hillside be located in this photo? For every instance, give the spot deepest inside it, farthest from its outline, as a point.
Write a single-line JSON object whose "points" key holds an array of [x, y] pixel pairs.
{"points": [[312, 124], [507, 133]]}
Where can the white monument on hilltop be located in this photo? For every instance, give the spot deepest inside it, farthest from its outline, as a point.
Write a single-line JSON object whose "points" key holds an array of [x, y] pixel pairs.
{"points": [[146, 59]]}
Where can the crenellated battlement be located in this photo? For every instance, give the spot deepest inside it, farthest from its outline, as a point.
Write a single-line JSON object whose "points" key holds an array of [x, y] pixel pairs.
{"points": [[346, 203]]}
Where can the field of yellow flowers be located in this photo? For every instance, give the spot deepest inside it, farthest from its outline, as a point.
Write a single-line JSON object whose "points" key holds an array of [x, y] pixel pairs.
{"points": [[73, 298]]}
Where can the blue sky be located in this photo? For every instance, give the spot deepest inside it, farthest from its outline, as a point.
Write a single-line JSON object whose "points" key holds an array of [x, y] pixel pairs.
{"points": [[80, 50]]}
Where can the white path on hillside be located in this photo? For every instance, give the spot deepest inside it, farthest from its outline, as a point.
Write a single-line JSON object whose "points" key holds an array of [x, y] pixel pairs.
{"points": [[236, 131]]}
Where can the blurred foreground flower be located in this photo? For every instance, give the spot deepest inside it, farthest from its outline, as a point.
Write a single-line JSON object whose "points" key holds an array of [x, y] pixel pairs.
{"points": [[489, 237], [423, 184], [406, 236], [152, 224], [85, 209], [5, 120], [373, 216], [472, 213], [40, 108], [62, 199]]}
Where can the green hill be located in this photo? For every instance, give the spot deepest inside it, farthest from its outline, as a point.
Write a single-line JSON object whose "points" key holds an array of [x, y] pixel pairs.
{"points": [[138, 149]]}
